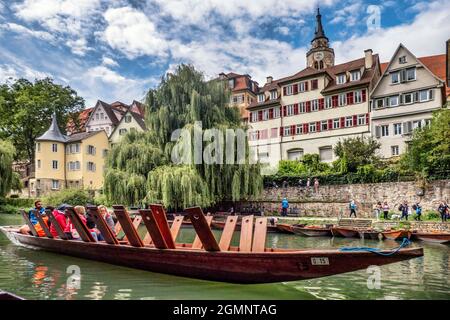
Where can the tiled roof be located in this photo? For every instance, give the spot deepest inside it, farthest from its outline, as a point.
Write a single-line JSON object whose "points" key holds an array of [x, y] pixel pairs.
{"points": [[139, 119], [308, 71], [81, 136], [83, 117], [267, 102], [109, 111]]}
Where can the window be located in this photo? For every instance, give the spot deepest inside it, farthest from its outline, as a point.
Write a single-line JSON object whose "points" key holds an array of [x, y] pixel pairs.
{"points": [[97, 116], [402, 60], [393, 101], [425, 95], [361, 119], [395, 77], [253, 135], [231, 83], [348, 122], [261, 97], [128, 119], [290, 110], [263, 157], [410, 74], [299, 129], [315, 105], [102, 116], [395, 150], [326, 153], [302, 86], [336, 123], [39, 164], [105, 153], [273, 95], [274, 132], [289, 90], [380, 103], [302, 107], [342, 99], [357, 96], [276, 112], [384, 131], [295, 154], [408, 98], [73, 148], [254, 116], [54, 147], [417, 124], [397, 129], [314, 84], [91, 166], [324, 125], [266, 114], [55, 184], [287, 131], [55, 164], [340, 78], [91, 150], [356, 75], [74, 165], [312, 127], [328, 103], [38, 147]]}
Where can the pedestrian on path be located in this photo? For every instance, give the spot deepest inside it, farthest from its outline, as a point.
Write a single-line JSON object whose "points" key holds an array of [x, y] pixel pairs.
{"points": [[386, 211], [284, 207], [316, 185], [352, 207]]}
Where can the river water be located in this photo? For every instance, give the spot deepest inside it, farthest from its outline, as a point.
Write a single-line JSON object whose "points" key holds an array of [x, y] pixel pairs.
{"points": [[35, 274]]}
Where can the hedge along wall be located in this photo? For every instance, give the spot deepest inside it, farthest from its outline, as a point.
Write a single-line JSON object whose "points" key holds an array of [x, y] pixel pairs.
{"points": [[332, 200]]}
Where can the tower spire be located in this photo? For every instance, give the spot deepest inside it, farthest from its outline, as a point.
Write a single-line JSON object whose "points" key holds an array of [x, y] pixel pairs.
{"points": [[319, 33]]}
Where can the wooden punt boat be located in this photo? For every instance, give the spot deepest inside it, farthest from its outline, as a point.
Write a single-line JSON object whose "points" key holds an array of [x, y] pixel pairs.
{"points": [[205, 258], [396, 234], [346, 232], [312, 231], [369, 234], [436, 237], [285, 228], [220, 225]]}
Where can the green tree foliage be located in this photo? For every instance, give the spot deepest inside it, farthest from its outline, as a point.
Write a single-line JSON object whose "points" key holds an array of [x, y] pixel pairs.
{"points": [[140, 170], [7, 152], [429, 150], [356, 152], [74, 197], [309, 164], [26, 110]]}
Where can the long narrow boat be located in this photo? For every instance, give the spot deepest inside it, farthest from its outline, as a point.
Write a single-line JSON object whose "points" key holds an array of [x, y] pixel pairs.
{"points": [[369, 234], [272, 265], [220, 225], [436, 237], [396, 234], [312, 231], [345, 232], [285, 228]]}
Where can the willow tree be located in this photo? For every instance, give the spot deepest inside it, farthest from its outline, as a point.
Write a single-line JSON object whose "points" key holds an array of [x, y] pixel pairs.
{"points": [[7, 152], [141, 168]]}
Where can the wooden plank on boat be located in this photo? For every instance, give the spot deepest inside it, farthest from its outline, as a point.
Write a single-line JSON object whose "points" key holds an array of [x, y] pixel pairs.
{"points": [[245, 243], [159, 215], [55, 223], [43, 224], [29, 224], [82, 229], [127, 226], [205, 237], [101, 225], [136, 223], [153, 229], [227, 234], [176, 226], [259, 237]]}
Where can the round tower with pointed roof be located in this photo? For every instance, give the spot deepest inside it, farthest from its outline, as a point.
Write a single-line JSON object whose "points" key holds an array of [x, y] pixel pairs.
{"points": [[320, 56]]}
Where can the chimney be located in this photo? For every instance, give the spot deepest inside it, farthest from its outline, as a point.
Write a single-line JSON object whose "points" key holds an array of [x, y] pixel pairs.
{"points": [[269, 79], [448, 63], [368, 58]]}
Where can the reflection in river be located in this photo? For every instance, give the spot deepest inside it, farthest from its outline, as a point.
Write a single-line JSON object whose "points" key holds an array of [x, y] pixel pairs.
{"points": [[35, 274]]}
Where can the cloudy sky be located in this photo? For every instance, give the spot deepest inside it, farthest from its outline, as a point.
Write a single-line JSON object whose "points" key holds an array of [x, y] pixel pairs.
{"points": [[118, 49]]}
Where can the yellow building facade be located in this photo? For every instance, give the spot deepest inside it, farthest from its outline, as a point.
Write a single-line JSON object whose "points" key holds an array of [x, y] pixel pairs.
{"points": [[75, 161]]}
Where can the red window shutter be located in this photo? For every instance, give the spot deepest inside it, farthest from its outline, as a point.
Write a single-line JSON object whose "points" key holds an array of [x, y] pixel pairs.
{"points": [[355, 120], [330, 124], [284, 91], [260, 115], [295, 88], [284, 111], [270, 113], [308, 106], [367, 118], [363, 95], [281, 131], [334, 101], [296, 108], [305, 128], [293, 130], [257, 135], [349, 97], [318, 128], [306, 85], [342, 122], [321, 102]]}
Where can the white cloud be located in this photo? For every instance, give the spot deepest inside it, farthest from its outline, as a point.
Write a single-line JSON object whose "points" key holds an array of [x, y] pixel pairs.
{"points": [[24, 31], [14, 71], [131, 32], [106, 61], [349, 15], [283, 30], [79, 46]]}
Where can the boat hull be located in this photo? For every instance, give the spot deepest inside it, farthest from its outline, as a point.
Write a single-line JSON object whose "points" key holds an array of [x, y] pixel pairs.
{"points": [[432, 237], [312, 232], [345, 232], [229, 266], [373, 235], [285, 228], [396, 234]]}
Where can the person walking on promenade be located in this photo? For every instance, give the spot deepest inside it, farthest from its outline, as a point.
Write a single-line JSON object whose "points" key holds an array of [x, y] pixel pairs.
{"points": [[308, 183], [443, 210], [378, 209], [300, 183], [352, 207], [316, 185], [386, 211], [284, 207], [417, 207], [404, 209]]}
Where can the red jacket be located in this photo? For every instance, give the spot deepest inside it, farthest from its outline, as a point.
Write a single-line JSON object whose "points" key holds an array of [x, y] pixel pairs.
{"points": [[61, 218]]}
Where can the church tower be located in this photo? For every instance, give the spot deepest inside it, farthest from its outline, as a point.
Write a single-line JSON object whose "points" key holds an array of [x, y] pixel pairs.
{"points": [[320, 56]]}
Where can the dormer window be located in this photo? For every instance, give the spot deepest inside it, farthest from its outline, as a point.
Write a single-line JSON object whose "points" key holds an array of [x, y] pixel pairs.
{"points": [[261, 97], [395, 77], [402, 60], [273, 95], [356, 75], [410, 74], [340, 78]]}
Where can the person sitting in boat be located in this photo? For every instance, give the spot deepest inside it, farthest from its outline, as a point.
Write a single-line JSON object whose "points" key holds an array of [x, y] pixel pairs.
{"points": [[71, 232], [284, 207], [352, 207], [60, 216], [38, 207]]}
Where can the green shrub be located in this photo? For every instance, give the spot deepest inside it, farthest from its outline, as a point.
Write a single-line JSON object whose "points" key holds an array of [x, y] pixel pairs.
{"points": [[431, 215], [73, 197], [8, 209], [18, 202], [101, 199]]}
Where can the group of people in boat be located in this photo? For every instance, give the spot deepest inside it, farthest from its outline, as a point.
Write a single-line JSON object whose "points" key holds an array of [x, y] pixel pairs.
{"points": [[65, 223]]}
